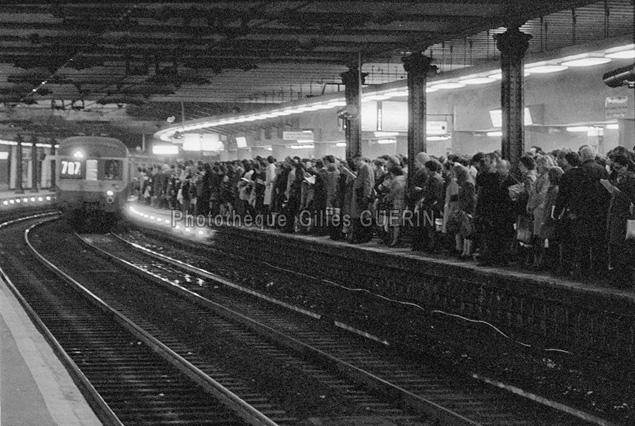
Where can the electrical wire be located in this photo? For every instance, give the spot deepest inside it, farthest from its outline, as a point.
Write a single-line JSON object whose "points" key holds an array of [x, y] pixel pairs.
{"points": [[417, 306]]}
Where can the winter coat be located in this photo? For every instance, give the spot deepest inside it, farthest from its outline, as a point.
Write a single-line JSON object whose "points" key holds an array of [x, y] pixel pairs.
{"points": [[362, 191], [536, 202]]}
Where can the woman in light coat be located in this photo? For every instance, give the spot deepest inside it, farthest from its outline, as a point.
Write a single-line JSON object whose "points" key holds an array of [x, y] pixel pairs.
{"points": [[536, 206], [270, 178], [396, 198]]}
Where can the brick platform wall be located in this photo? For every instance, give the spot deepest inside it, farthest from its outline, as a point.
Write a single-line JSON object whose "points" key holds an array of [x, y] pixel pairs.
{"points": [[545, 312]]}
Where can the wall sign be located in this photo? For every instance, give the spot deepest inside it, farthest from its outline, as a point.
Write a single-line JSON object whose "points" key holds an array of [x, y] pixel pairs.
{"points": [[616, 107]]}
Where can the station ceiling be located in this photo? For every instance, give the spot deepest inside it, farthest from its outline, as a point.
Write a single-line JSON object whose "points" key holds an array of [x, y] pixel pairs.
{"points": [[103, 66]]}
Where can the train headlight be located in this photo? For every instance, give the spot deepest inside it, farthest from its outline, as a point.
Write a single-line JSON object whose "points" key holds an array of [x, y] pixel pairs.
{"points": [[78, 154], [110, 193]]}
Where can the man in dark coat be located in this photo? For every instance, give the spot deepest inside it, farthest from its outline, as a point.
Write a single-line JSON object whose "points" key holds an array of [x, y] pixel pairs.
{"points": [[361, 217], [320, 195], [495, 210], [567, 208], [585, 202], [592, 234]]}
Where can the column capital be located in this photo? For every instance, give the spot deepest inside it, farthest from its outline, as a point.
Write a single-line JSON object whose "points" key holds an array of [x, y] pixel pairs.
{"points": [[513, 42], [349, 78], [418, 63]]}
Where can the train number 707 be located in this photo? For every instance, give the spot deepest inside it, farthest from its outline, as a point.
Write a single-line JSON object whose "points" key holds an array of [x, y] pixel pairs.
{"points": [[72, 168]]}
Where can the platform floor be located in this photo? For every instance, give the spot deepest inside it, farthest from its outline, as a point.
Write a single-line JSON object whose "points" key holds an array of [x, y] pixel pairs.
{"points": [[169, 221], [6, 194], [10, 200], [35, 388]]}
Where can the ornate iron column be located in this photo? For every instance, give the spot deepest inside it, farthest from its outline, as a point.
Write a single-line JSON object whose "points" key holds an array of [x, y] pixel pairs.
{"points": [[418, 67], [513, 44], [34, 165], [19, 189], [353, 80]]}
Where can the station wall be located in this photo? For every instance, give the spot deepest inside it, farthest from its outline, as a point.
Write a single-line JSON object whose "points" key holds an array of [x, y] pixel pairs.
{"points": [[572, 97]]}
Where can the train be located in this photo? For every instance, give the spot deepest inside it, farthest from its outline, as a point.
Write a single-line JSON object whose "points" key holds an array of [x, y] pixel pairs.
{"points": [[94, 178]]}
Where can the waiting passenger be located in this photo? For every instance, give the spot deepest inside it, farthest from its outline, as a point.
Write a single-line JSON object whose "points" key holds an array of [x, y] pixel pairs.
{"points": [[622, 189]]}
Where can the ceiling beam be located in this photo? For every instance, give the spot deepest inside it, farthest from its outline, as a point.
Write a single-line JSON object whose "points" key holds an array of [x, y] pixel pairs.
{"points": [[165, 31]]}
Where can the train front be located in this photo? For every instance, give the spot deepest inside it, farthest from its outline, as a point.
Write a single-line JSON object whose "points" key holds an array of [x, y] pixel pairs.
{"points": [[92, 177]]}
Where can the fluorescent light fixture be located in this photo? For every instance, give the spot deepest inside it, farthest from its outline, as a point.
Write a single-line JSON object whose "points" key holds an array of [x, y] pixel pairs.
{"points": [[621, 52], [341, 144], [578, 129], [386, 141], [496, 76], [586, 62], [613, 126], [497, 118], [323, 106], [308, 146], [438, 138], [624, 54], [494, 134], [448, 85], [478, 80], [546, 69], [398, 94], [431, 90], [165, 149], [374, 97]]}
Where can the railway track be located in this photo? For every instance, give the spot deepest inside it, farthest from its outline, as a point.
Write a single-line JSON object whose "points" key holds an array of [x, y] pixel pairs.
{"points": [[450, 398], [128, 376], [573, 384], [214, 345]]}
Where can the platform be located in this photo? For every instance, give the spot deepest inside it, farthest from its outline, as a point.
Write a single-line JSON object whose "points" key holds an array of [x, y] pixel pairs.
{"points": [[11, 200], [35, 388], [575, 317]]}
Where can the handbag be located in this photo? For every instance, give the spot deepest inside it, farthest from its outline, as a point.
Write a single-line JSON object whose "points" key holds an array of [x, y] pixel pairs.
{"points": [[455, 222], [467, 228], [524, 229], [630, 229]]}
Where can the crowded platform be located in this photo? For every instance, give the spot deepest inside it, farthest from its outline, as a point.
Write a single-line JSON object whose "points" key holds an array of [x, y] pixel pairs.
{"points": [[564, 212]]}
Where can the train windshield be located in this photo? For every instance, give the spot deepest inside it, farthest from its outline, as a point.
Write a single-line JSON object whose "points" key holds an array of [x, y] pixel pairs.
{"points": [[112, 170]]}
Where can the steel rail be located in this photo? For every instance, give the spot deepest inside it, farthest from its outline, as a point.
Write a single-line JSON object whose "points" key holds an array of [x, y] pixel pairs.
{"points": [[94, 399], [220, 280], [407, 398], [224, 395]]}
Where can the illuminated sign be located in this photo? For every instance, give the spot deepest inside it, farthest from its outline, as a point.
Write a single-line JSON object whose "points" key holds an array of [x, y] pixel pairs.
{"points": [[241, 142], [497, 118], [71, 169], [298, 135]]}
